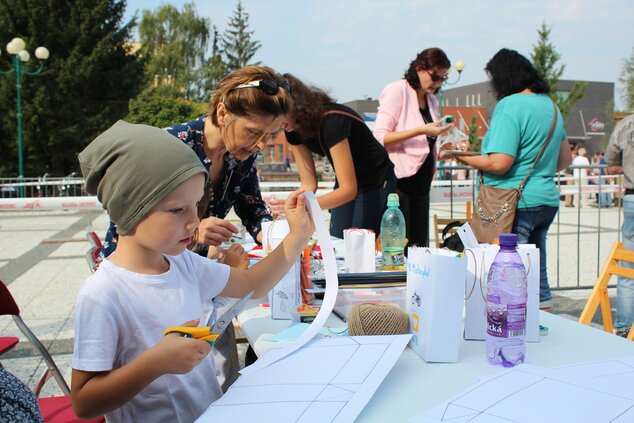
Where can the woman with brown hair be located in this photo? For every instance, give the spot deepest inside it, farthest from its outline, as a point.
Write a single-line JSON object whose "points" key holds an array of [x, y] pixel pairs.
{"points": [[407, 125], [364, 174]]}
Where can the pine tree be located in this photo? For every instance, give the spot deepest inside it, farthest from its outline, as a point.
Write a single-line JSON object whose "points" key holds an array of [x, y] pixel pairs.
{"points": [[174, 45], [85, 87], [545, 58], [237, 45], [627, 79]]}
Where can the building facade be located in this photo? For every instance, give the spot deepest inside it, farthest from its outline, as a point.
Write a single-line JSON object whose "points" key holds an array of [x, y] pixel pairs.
{"points": [[587, 123]]}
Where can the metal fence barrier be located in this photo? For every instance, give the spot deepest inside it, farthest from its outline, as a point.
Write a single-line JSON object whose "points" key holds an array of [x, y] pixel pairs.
{"points": [[579, 239]]}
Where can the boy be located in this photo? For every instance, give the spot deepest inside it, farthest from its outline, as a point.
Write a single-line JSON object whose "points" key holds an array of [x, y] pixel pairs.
{"points": [[122, 365]]}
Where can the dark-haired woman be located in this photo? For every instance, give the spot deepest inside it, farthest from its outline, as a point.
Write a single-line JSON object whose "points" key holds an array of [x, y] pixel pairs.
{"points": [[519, 127], [363, 171], [407, 125]]}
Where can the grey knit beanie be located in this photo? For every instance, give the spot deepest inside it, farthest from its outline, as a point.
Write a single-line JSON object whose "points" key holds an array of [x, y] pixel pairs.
{"points": [[131, 168]]}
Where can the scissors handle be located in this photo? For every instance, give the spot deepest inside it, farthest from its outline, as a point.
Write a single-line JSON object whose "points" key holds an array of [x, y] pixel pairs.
{"points": [[203, 333]]}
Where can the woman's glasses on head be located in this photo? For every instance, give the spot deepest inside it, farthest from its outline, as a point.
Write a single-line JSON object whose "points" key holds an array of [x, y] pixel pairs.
{"points": [[437, 78], [270, 86]]}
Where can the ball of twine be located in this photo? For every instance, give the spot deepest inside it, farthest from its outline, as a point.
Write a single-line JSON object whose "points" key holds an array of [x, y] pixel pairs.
{"points": [[377, 319]]}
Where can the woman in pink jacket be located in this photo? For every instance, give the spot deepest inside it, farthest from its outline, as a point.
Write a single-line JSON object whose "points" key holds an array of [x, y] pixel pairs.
{"points": [[407, 125]]}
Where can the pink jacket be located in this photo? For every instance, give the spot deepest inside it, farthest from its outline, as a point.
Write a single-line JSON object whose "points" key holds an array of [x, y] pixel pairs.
{"points": [[399, 111]]}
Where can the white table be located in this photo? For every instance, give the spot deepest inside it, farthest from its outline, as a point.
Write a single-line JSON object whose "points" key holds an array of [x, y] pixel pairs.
{"points": [[413, 385]]}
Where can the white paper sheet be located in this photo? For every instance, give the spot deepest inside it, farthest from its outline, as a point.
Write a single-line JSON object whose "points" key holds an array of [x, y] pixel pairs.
{"points": [[533, 394], [327, 380], [330, 297]]}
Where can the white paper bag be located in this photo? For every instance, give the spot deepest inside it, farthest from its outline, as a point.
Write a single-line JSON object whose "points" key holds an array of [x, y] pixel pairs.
{"points": [[360, 250], [478, 264], [434, 302], [286, 296]]}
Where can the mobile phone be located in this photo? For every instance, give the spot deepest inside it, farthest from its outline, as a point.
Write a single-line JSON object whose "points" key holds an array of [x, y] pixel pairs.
{"points": [[449, 119]]}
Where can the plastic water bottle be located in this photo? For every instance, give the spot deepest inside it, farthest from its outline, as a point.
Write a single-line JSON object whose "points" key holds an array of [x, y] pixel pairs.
{"points": [[393, 233], [506, 306]]}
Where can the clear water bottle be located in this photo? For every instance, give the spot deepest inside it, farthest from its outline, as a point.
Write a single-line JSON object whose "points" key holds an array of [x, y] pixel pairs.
{"points": [[506, 306], [393, 233]]}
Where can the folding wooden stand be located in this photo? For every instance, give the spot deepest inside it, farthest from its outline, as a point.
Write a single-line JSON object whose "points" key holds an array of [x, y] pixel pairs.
{"points": [[599, 295]]}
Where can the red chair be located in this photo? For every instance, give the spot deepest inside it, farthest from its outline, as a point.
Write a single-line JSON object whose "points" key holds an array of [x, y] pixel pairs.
{"points": [[95, 248], [54, 409]]}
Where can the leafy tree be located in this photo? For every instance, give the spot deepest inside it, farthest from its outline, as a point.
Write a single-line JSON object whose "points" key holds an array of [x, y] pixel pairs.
{"points": [[154, 108], [237, 45], [545, 58], [88, 80], [175, 45], [215, 68], [474, 136], [627, 79]]}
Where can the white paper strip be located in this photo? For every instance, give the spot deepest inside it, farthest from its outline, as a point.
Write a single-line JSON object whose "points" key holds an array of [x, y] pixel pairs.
{"points": [[330, 297]]}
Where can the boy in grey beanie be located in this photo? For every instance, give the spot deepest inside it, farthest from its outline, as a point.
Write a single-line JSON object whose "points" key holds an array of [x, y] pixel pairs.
{"points": [[123, 366]]}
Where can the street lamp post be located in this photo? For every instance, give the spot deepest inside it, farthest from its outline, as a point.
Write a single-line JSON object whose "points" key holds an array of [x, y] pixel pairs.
{"points": [[16, 47], [459, 67]]}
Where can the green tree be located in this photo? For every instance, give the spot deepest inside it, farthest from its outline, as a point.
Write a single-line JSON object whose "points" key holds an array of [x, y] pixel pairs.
{"points": [[215, 68], [174, 44], [154, 108], [474, 136], [627, 79], [87, 83], [545, 59], [237, 46]]}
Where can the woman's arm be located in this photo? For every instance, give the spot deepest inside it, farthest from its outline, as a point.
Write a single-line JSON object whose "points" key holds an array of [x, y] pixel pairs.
{"points": [[249, 205], [96, 393], [495, 163], [433, 129], [347, 179], [565, 156], [305, 167]]}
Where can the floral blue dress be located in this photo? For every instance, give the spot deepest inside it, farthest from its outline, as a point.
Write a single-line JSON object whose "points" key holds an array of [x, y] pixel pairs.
{"points": [[240, 188]]}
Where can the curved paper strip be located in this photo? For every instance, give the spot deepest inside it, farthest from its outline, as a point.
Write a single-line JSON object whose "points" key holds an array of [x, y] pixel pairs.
{"points": [[332, 285]]}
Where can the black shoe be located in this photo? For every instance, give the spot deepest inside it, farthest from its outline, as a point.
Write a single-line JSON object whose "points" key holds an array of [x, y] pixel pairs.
{"points": [[623, 333]]}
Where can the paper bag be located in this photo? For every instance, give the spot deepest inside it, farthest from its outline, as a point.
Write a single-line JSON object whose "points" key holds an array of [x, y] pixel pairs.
{"points": [[434, 302], [360, 250], [285, 297], [478, 264]]}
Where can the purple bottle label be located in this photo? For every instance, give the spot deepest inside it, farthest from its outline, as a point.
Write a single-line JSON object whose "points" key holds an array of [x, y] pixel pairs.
{"points": [[505, 320]]}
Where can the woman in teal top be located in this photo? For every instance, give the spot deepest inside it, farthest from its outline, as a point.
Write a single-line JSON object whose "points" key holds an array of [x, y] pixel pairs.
{"points": [[519, 127]]}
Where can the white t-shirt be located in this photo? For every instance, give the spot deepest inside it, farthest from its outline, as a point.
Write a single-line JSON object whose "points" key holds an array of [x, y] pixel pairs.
{"points": [[580, 161], [119, 314]]}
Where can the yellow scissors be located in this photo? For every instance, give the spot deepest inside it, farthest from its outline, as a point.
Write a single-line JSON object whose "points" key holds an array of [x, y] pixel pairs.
{"points": [[211, 334]]}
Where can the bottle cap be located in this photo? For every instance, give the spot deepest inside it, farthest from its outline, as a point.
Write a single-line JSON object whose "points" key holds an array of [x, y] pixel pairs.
{"points": [[509, 240], [392, 200]]}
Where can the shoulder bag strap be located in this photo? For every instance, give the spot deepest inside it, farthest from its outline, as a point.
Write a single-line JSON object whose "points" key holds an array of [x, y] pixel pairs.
{"points": [[335, 112], [541, 151]]}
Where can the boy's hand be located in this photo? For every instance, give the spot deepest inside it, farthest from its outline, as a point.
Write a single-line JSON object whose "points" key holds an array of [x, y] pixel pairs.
{"points": [[179, 355], [299, 219]]}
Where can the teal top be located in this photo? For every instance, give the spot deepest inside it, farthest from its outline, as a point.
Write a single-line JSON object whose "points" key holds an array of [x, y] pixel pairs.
{"points": [[519, 127]]}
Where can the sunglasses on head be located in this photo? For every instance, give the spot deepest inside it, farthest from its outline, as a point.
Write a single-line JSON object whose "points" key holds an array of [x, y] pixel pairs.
{"points": [[437, 78], [270, 86]]}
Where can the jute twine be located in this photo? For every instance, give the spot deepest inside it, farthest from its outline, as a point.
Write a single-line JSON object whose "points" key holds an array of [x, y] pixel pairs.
{"points": [[377, 319]]}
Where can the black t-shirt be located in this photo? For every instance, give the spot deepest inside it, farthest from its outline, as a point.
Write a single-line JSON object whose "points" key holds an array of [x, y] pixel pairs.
{"points": [[371, 162]]}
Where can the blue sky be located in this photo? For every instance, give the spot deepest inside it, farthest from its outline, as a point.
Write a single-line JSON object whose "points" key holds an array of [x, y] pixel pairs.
{"points": [[352, 48]]}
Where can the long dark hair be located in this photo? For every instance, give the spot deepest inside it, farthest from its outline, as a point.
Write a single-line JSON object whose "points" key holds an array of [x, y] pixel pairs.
{"points": [[308, 106], [427, 59], [511, 73]]}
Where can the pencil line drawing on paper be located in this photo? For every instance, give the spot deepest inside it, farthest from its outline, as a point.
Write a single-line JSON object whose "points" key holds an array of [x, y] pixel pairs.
{"points": [[596, 392], [327, 380]]}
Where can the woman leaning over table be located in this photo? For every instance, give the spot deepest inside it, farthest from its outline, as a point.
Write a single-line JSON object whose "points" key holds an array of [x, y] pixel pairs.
{"points": [[364, 174], [519, 127], [407, 125], [246, 110]]}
